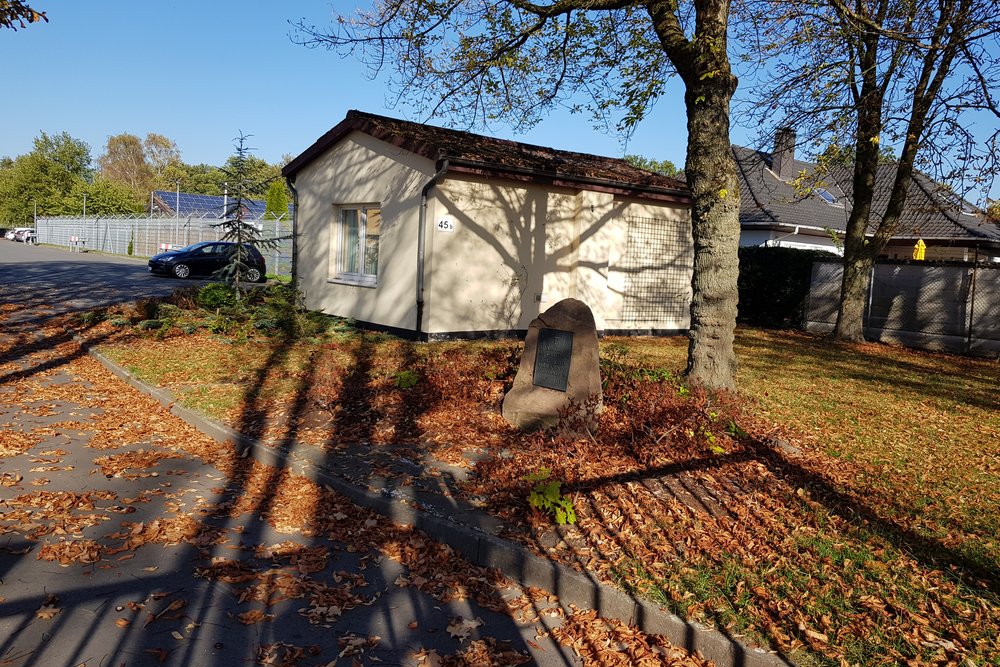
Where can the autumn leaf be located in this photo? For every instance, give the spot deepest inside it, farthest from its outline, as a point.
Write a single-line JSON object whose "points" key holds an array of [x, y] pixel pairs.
{"points": [[460, 628]]}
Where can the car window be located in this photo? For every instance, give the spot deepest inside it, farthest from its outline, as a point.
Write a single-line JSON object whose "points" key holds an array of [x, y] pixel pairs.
{"points": [[209, 249]]}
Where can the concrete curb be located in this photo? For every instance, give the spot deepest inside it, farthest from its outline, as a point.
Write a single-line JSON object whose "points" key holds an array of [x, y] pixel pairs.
{"points": [[510, 558]]}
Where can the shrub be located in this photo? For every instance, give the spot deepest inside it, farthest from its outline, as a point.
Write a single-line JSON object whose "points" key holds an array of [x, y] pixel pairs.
{"points": [[407, 379], [547, 496], [146, 309], [185, 298], [92, 317], [168, 313], [215, 296], [774, 285]]}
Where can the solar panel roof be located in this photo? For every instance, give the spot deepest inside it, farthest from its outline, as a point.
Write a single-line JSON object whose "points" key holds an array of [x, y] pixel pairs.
{"points": [[204, 206]]}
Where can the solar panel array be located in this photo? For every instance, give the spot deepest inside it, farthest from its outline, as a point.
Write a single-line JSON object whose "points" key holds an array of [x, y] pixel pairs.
{"points": [[204, 206]]}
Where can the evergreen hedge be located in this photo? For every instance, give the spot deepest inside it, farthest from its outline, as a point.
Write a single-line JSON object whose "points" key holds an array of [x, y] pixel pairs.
{"points": [[774, 285]]}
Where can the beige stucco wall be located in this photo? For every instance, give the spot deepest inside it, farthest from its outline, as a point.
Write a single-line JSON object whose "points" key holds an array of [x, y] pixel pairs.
{"points": [[506, 250], [518, 248], [362, 170]]}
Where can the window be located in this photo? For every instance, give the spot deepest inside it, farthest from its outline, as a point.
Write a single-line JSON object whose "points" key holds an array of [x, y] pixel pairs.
{"points": [[356, 232], [826, 196]]}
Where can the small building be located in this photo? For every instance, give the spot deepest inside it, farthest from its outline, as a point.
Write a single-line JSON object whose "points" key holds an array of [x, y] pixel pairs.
{"points": [[773, 211], [434, 233]]}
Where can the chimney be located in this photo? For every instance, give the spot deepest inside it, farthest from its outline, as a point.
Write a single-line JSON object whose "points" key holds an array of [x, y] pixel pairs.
{"points": [[784, 153]]}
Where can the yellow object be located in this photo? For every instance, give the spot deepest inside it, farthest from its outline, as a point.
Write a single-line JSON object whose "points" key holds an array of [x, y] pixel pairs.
{"points": [[919, 249]]}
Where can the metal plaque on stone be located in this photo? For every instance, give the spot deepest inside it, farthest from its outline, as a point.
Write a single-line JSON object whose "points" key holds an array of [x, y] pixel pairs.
{"points": [[555, 350]]}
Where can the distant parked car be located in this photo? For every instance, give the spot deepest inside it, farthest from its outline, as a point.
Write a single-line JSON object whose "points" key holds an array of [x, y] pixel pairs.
{"points": [[12, 233], [205, 259], [24, 235]]}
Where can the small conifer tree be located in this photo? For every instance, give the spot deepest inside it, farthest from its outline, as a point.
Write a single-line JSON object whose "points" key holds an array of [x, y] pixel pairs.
{"points": [[236, 226]]}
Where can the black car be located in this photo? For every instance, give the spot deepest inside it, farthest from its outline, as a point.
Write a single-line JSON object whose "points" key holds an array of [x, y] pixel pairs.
{"points": [[205, 259]]}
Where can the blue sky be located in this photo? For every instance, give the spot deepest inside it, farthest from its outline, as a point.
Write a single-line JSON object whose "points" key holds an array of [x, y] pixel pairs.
{"points": [[107, 67], [201, 72]]}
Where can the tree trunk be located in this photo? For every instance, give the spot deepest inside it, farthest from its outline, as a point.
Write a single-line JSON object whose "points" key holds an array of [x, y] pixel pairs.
{"points": [[711, 174], [709, 84], [853, 299], [859, 255]]}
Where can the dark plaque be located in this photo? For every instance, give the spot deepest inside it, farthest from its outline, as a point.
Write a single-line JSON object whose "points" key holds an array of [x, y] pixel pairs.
{"points": [[552, 357]]}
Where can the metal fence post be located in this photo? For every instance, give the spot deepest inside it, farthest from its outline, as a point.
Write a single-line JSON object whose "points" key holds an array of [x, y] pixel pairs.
{"points": [[972, 300]]}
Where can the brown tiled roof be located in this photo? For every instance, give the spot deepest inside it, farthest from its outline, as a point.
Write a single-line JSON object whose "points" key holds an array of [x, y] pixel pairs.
{"points": [[931, 212], [499, 157]]}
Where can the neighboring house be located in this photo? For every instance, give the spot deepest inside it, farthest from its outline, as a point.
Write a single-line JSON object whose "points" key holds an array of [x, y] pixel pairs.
{"points": [[773, 211], [436, 233]]}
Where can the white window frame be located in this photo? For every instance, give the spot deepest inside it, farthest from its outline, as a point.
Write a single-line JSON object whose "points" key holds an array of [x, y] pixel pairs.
{"points": [[337, 246]]}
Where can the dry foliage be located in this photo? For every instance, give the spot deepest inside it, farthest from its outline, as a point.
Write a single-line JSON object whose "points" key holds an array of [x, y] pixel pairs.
{"points": [[791, 514]]}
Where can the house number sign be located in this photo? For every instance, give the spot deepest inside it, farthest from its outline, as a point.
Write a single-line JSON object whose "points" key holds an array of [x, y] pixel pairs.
{"points": [[446, 225]]}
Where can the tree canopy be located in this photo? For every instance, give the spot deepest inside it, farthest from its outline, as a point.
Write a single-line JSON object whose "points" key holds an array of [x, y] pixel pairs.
{"points": [[42, 177], [57, 173], [663, 167], [865, 75]]}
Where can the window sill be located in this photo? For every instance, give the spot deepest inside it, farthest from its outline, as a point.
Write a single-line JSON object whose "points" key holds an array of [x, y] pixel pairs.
{"points": [[353, 281]]}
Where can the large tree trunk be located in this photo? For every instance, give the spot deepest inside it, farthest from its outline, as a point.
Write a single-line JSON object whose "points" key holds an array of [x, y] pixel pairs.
{"points": [[853, 299], [711, 174], [859, 256], [709, 84]]}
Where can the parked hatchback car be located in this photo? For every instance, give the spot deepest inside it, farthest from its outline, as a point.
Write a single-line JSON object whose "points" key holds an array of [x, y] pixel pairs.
{"points": [[205, 259]]}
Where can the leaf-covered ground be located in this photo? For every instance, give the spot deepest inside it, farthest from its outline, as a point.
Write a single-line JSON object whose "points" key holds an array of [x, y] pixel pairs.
{"points": [[178, 550], [842, 509]]}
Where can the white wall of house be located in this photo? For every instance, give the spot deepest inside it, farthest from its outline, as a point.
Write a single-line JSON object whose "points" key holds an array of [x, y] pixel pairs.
{"points": [[497, 252], [788, 239]]}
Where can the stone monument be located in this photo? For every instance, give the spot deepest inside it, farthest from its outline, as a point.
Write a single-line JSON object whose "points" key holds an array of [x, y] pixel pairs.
{"points": [[560, 365]]}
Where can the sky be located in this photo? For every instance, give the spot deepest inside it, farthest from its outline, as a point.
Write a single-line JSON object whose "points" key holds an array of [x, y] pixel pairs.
{"points": [[202, 72]]}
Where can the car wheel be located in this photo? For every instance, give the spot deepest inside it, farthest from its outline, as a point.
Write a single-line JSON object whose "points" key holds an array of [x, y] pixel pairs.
{"points": [[182, 270], [253, 275]]}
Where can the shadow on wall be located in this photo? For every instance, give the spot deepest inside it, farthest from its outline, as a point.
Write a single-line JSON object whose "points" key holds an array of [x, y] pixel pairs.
{"points": [[516, 253]]}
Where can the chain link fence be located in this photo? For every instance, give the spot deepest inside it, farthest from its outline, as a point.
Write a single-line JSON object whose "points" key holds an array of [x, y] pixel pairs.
{"points": [[147, 236]]}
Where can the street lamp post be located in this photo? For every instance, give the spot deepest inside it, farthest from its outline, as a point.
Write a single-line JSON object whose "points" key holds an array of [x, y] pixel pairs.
{"points": [[84, 207]]}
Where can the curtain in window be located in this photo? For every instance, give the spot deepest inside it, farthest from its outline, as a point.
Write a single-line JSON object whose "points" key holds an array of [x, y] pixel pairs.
{"points": [[350, 240]]}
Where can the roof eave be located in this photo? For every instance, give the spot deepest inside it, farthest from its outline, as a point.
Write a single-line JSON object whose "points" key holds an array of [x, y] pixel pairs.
{"points": [[635, 190]]}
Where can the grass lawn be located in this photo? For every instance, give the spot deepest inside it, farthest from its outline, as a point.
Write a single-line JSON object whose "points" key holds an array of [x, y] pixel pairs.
{"points": [[843, 509]]}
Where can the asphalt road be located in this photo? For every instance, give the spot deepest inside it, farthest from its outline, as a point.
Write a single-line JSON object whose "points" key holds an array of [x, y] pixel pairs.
{"points": [[70, 281], [77, 586]]}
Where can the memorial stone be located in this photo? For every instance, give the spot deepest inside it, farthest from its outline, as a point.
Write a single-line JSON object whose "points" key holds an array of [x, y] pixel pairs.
{"points": [[559, 367]]}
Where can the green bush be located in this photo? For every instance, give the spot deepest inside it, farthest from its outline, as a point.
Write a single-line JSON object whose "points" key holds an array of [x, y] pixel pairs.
{"points": [[406, 379], [774, 285], [91, 317], [215, 296], [168, 313]]}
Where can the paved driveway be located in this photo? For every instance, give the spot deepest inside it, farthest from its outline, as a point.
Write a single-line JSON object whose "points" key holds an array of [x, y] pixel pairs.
{"points": [[128, 538], [74, 280]]}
